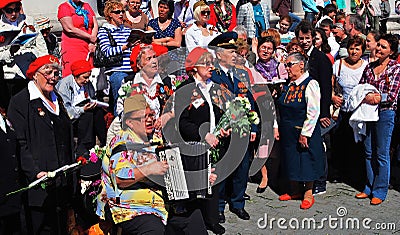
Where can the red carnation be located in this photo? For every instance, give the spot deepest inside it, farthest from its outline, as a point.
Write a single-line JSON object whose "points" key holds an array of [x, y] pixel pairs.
{"points": [[2, 38], [82, 160]]}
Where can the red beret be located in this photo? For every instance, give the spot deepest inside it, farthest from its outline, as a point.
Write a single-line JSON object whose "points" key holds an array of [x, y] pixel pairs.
{"points": [[39, 62], [4, 3], [158, 49], [80, 66], [193, 57]]}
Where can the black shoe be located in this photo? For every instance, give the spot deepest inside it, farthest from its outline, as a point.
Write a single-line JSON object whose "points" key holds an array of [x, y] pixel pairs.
{"points": [[246, 196], [221, 216], [241, 213], [261, 190], [216, 228], [319, 190]]}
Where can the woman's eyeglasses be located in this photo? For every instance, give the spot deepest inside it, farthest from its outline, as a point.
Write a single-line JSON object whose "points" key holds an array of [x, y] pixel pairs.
{"points": [[47, 74], [206, 64], [290, 64], [205, 12], [11, 10], [118, 12], [148, 115]]}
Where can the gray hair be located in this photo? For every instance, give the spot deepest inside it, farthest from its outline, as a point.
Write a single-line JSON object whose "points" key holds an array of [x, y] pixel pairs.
{"points": [[299, 57], [240, 29], [52, 66], [356, 20]]}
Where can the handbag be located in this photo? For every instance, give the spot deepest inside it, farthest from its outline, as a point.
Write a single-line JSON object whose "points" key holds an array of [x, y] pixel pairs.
{"points": [[338, 91], [101, 60], [102, 82]]}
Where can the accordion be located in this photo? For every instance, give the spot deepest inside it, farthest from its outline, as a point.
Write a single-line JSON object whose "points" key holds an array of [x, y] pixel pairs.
{"points": [[189, 170]]}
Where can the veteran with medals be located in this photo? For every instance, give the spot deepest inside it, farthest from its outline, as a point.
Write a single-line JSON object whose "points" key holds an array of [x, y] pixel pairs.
{"points": [[237, 82]]}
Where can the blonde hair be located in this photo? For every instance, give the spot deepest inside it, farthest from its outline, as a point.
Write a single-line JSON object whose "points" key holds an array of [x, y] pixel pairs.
{"points": [[242, 45], [202, 59], [197, 12], [110, 6]]}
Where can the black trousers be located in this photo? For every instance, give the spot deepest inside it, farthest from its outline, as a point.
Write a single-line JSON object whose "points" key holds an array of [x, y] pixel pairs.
{"points": [[89, 125], [143, 224], [10, 224], [189, 223], [209, 207], [48, 221]]}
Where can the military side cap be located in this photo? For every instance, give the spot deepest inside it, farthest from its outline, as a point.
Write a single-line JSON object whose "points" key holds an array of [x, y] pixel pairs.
{"points": [[226, 40], [135, 102]]}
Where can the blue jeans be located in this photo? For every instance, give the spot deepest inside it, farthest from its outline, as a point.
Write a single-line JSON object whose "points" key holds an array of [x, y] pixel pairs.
{"points": [[295, 21], [115, 83], [377, 147], [309, 16]]}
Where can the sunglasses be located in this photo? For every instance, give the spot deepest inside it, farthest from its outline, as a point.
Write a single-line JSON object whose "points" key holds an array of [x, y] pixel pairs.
{"points": [[290, 64], [11, 10], [118, 12], [205, 12]]}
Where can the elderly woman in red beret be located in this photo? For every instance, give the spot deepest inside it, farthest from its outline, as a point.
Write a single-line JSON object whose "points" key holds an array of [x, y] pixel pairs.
{"points": [[16, 58], [78, 93], [144, 61], [198, 108], [44, 136]]}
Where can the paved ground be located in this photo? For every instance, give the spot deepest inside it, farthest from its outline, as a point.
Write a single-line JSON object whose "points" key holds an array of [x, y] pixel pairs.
{"points": [[325, 209]]}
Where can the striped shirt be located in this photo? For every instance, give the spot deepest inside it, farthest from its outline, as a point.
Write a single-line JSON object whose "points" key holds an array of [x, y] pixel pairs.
{"points": [[120, 35]]}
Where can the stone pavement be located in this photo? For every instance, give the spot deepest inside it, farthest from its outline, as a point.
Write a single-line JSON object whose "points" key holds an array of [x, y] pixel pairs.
{"points": [[337, 208]]}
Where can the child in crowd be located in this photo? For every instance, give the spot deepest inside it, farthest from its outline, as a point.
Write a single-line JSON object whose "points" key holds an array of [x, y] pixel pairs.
{"points": [[44, 25]]}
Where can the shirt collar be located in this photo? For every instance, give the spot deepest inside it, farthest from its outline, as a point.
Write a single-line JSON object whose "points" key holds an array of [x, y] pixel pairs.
{"points": [[34, 93], [195, 27], [139, 79], [21, 18], [112, 27], [201, 86], [301, 79], [226, 70], [310, 50], [76, 86]]}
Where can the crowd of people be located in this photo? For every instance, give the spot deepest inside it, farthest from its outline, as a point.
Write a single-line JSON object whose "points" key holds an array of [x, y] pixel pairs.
{"points": [[325, 89]]}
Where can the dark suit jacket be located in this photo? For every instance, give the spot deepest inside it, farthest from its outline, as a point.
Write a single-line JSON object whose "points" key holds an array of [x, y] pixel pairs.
{"points": [[9, 177], [320, 68], [36, 139], [241, 77], [191, 119]]}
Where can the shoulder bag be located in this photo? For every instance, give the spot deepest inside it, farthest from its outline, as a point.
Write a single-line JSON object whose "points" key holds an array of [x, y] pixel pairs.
{"points": [[101, 60]]}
